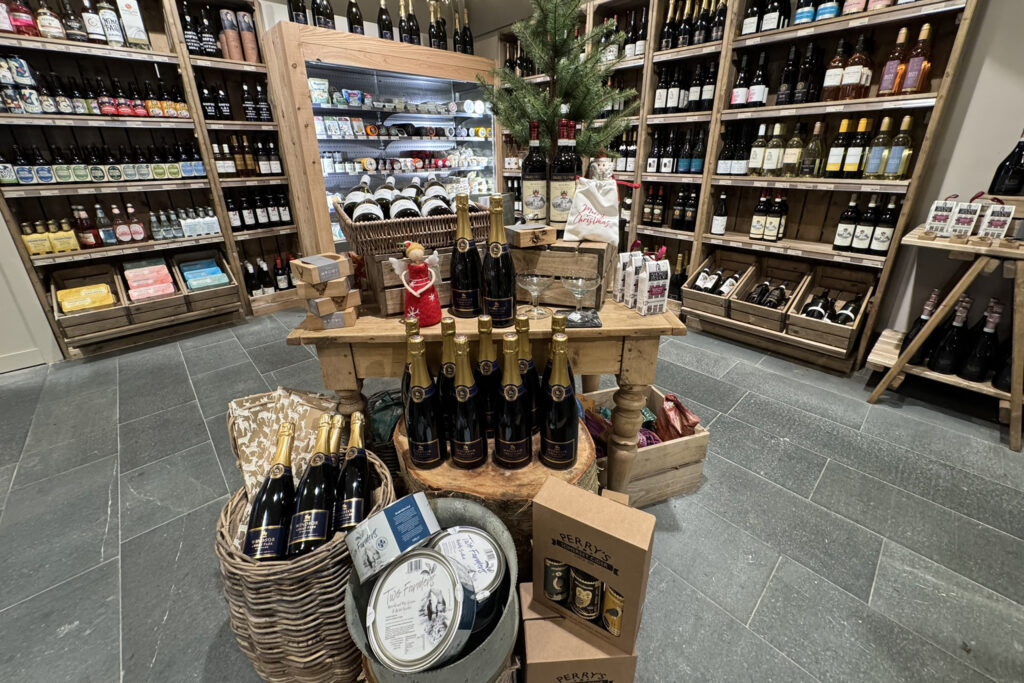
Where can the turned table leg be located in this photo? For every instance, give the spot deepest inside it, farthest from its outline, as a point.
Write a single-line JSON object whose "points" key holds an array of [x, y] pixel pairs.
{"points": [[626, 420], [339, 372]]}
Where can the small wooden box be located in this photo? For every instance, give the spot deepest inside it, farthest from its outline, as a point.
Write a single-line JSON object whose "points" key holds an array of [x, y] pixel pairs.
{"points": [[214, 296], [332, 321], [89, 322], [326, 305], [793, 274], [321, 268], [146, 310], [730, 262], [663, 470], [338, 287], [531, 235], [845, 284], [563, 258]]}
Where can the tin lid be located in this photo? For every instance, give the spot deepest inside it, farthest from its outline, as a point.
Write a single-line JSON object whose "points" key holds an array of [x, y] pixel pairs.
{"points": [[478, 552], [421, 611]]}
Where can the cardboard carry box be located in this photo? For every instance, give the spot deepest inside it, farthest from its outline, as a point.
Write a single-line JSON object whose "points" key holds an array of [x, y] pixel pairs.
{"points": [[604, 549], [845, 284], [89, 322], [793, 274], [557, 653], [326, 305], [666, 469], [562, 258], [730, 262], [321, 268], [339, 287]]}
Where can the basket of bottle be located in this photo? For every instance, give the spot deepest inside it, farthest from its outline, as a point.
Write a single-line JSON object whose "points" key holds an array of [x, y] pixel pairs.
{"points": [[766, 295], [153, 290], [87, 300], [832, 307], [205, 278], [708, 289]]}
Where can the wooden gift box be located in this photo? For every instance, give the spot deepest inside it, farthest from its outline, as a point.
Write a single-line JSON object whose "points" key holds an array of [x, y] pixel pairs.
{"points": [[563, 258], [89, 322], [214, 296], [729, 262], [663, 470], [845, 283], [158, 307], [793, 274]]}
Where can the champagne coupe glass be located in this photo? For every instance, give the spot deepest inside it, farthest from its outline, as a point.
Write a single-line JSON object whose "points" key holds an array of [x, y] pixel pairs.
{"points": [[579, 285], [535, 284]]}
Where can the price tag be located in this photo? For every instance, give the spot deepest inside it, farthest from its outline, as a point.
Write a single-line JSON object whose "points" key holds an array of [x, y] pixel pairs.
{"points": [[872, 188], [804, 32], [758, 247], [753, 41], [843, 259], [48, 193], [823, 186], [777, 250], [787, 112], [720, 242], [794, 252], [745, 115], [858, 22]]}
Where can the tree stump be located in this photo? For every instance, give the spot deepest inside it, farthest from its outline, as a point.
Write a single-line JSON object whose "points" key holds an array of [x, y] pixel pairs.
{"points": [[507, 493]]}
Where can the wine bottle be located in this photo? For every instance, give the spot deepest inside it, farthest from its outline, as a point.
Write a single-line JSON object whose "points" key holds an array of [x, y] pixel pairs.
{"points": [[849, 312], [446, 373], [558, 321], [856, 152], [323, 15], [534, 173], [895, 68], [412, 328], [74, 28], [414, 26], [498, 281], [669, 28], [513, 447], [427, 448], [385, 27], [718, 23], [837, 152], [857, 76], [757, 95], [919, 64], [831, 86], [720, 217], [468, 431], [885, 230], [897, 166], [355, 495], [983, 348], [789, 77], [562, 183], [467, 35], [488, 372], [751, 17], [848, 220], [728, 285], [314, 498], [774, 222], [915, 329], [560, 427], [465, 266], [684, 21], [524, 361], [1009, 175], [949, 354], [865, 229], [266, 536], [741, 87], [792, 157], [297, 11], [776, 298], [817, 307], [760, 217]]}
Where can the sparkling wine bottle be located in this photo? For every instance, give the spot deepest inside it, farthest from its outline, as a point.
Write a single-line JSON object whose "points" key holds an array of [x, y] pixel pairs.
{"points": [[982, 354], [498, 281], [354, 486], [446, 373], [314, 498], [915, 329], [949, 354], [488, 372], [412, 328], [266, 536], [468, 433], [513, 447], [560, 425], [426, 443], [465, 267], [528, 371]]}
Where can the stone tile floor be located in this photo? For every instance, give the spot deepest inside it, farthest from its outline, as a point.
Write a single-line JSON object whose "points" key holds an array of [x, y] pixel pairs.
{"points": [[832, 540]]}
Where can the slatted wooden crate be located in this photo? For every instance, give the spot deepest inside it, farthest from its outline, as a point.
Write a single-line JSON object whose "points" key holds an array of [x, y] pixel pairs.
{"points": [[793, 274], [214, 296], [387, 287], [845, 284], [89, 322], [565, 258], [156, 308], [730, 262]]}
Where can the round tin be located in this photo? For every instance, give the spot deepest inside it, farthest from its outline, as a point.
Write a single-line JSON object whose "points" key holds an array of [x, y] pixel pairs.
{"points": [[584, 594], [556, 580], [421, 611], [479, 553], [611, 611]]}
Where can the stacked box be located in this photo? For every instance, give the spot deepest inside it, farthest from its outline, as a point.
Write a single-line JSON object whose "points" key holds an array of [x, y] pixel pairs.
{"points": [[148, 279], [325, 281]]}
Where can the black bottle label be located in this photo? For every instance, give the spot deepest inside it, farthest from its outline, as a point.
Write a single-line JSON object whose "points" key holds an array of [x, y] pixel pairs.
{"points": [[466, 301], [299, 18], [324, 22], [265, 542], [557, 453], [513, 453], [500, 311], [352, 512], [424, 452], [448, 369], [310, 525], [469, 454]]}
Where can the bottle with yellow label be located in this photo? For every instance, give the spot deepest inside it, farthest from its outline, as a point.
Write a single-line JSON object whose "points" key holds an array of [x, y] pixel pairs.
{"points": [[36, 240]]}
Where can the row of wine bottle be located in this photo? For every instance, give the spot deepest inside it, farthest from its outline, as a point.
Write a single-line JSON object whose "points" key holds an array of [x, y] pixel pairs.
{"points": [[260, 281], [98, 23], [683, 213], [771, 15], [235, 39], [333, 495], [676, 93], [257, 210], [233, 159], [506, 399], [823, 306], [692, 23], [101, 165], [217, 106]]}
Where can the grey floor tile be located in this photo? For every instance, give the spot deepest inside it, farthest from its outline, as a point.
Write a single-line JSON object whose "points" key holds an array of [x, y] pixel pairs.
{"points": [[705, 643], [747, 354], [731, 567], [798, 394], [773, 457], [220, 354], [216, 389], [977, 497], [708, 362], [6, 475], [218, 428], [151, 380], [86, 448], [844, 553], [214, 336], [20, 391], [57, 528], [174, 604], [67, 633], [155, 436], [305, 376], [79, 376], [838, 638], [984, 426], [67, 419], [291, 317], [277, 355], [159, 492], [967, 621], [711, 392], [852, 386], [986, 459], [260, 331], [990, 557]]}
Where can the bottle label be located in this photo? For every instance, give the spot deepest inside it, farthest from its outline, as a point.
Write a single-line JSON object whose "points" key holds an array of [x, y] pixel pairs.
{"points": [[25, 175], [881, 239], [62, 172], [261, 215], [129, 172], [144, 171], [557, 454], [403, 203], [248, 217], [234, 219], [7, 175], [792, 156], [500, 310], [49, 26], [756, 161], [844, 234], [694, 94], [265, 542], [854, 6], [718, 225], [282, 281], [852, 75], [894, 165], [137, 231], [424, 452], [739, 167], [620, 165], [757, 226], [30, 101], [265, 167], [465, 301], [835, 159], [683, 165], [630, 164], [387, 35], [275, 167], [666, 164], [852, 163], [44, 174], [772, 225], [672, 100], [890, 72], [112, 27], [770, 21], [185, 168], [773, 159], [833, 78], [749, 26], [877, 157], [708, 92], [172, 170], [697, 165], [804, 15], [879, 4], [630, 50], [739, 95], [123, 232], [286, 214], [352, 29], [351, 511], [758, 94], [913, 81], [660, 95], [561, 193], [862, 236], [724, 167], [827, 10], [468, 453], [310, 525], [513, 453], [728, 285], [371, 210], [652, 164]]}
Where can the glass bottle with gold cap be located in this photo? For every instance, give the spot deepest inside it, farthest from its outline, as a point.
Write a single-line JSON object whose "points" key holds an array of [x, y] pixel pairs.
{"points": [[354, 492], [488, 373], [426, 443], [560, 425], [412, 327], [468, 435], [528, 371], [337, 460], [465, 264], [557, 326], [314, 498], [446, 374], [266, 536], [498, 277], [513, 446]]}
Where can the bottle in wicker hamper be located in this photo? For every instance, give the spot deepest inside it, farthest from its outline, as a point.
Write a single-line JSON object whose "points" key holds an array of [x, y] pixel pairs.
{"points": [[354, 485], [266, 537], [314, 498], [337, 463]]}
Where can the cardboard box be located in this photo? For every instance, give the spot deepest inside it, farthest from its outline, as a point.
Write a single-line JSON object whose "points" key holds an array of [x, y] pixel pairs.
{"points": [[618, 497], [326, 305], [321, 268], [532, 609], [339, 287], [602, 539], [334, 321]]}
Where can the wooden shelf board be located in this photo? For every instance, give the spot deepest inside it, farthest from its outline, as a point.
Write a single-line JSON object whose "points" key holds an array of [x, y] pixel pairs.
{"points": [[782, 337], [824, 184], [629, 63], [798, 248], [241, 125], [694, 117], [93, 121], [631, 120], [123, 250], [688, 51], [265, 232], [52, 190], [916, 238], [135, 328], [926, 101], [665, 233], [896, 13], [77, 48], [228, 64], [887, 349], [253, 182], [679, 178], [539, 78]]}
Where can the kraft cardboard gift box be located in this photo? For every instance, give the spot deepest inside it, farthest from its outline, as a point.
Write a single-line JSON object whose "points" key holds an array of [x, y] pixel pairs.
{"points": [[594, 555]]}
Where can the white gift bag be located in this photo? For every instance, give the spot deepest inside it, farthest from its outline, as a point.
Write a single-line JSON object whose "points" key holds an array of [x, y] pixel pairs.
{"points": [[595, 212]]}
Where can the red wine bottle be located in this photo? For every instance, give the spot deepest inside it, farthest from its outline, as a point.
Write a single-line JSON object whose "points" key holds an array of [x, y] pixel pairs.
{"points": [[314, 498], [498, 282], [560, 425], [266, 536], [535, 180], [983, 352], [468, 435], [513, 446], [426, 443], [949, 354], [465, 264], [354, 487]]}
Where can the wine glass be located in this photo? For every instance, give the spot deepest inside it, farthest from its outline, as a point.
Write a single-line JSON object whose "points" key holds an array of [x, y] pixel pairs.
{"points": [[535, 284], [579, 286]]}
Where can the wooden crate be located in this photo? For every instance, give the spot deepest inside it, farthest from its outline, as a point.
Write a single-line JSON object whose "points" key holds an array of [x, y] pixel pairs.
{"points": [[214, 296], [89, 322], [729, 262], [845, 283], [387, 288], [663, 470], [793, 274], [563, 258], [157, 308]]}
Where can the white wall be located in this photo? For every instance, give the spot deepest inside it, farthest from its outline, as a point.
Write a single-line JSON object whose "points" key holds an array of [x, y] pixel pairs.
{"points": [[25, 337]]}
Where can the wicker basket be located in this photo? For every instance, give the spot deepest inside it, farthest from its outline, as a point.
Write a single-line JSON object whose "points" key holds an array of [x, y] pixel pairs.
{"points": [[289, 617], [384, 237]]}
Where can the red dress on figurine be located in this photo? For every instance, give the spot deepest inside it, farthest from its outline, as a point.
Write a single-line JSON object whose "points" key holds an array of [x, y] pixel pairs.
{"points": [[426, 307]]}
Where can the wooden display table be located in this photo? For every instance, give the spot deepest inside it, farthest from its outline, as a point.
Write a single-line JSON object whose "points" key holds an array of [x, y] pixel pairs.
{"points": [[627, 347]]}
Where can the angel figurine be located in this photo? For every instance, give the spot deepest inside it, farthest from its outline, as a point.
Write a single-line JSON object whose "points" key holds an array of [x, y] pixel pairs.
{"points": [[416, 271]]}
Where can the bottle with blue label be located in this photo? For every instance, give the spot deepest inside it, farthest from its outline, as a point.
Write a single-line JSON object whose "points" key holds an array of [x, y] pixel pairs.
{"points": [[41, 168], [827, 10], [878, 152], [805, 12], [266, 536]]}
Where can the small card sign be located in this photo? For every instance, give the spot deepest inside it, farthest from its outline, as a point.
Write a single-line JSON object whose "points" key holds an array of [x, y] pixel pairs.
{"points": [[964, 219], [940, 217], [318, 126], [996, 221]]}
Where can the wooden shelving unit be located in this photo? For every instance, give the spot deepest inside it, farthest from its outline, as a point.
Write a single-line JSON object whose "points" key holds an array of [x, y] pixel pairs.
{"points": [[123, 250], [73, 189], [93, 121]]}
